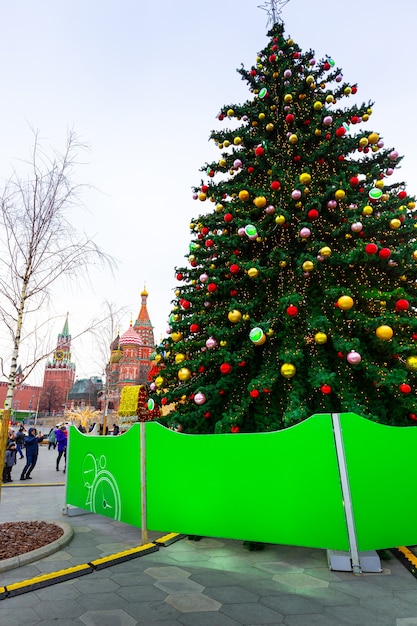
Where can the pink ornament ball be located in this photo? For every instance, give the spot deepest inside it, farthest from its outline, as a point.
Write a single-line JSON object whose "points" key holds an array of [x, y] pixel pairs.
{"points": [[305, 232], [296, 194], [353, 357], [199, 398], [211, 343], [241, 232], [237, 164], [270, 209], [339, 78], [203, 278], [287, 74], [328, 120], [356, 227], [195, 196], [312, 61], [389, 171], [393, 155], [332, 204], [152, 386]]}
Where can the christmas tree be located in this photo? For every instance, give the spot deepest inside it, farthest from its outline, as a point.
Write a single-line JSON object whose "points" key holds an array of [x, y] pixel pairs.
{"points": [[299, 294]]}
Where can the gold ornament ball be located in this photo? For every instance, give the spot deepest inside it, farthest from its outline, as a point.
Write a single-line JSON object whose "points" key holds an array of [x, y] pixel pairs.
{"points": [[395, 224], [253, 272], [234, 316], [269, 127], [414, 255], [367, 210], [379, 184], [288, 98], [411, 363], [308, 266], [226, 143], [219, 208], [317, 106], [325, 251], [230, 113], [237, 141], [283, 263], [305, 178], [363, 142], [309, 80], [246, 317], [260, 202], [158, 358], [365, 117], [176, 337], [184, 374], [222, 162], [288, 370], [179, 358], [317, 132], [384, 332], [223, 343], [202, 196], [345, 303], [261, 116], [320, 338], [339, 194], [373, 138], [329, 98], [244, 195], [293, 139], [159, 381]]}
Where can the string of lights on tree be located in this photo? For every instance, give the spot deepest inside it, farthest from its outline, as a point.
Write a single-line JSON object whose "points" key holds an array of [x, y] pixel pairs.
{"points": [[299, 291]]}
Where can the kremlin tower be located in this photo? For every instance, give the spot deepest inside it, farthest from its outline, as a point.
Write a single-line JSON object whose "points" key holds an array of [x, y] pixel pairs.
{"points": [[130, 354], [59, 374]]}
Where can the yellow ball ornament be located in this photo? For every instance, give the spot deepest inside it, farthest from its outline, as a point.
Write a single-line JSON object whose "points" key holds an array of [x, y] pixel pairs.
{"points": [[305, 178], [325, 251], [244, 195], [339, 194], [234, 316], [411, 363], [317, 106], [260, 202], [287, 98], [293, 139], [270, 127], [230, 113], [384, 332], [345, 303], [288, 370], [176, 337], [179, 358], [184, 374], [202, 196], [363, 142], [253, 272], [395, 224], [237, 141], [320, 338], [159, 381], [280, 219], [308, 266], [367, 210], [373, 138]]}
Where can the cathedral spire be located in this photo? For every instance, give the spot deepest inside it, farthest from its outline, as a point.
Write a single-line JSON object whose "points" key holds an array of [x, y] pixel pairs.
{"points": [[65, 330]]}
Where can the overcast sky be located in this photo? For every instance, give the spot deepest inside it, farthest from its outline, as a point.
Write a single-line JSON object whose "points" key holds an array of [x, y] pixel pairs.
{"points": [[141, 84]]}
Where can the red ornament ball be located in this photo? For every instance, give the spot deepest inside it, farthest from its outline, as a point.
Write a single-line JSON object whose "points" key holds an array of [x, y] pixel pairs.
{"points": [[402, 195], [233, 293], [211, 287], [259, 151], [194, 328], [180, 276], [185, 304], [204, 230], [413, 416], [228, 218], [354, 181], [254, 393], [207, 415], [275, 185], [312, 214], [289, 118], [251, 169], [164, 401], [292, 310], [209, 243], [204, 188], [402, 305], [235, 429], [384, 253], [225, 368], [371, 248], [326, 389], [340, 131], [234, 268], [405, 388]]}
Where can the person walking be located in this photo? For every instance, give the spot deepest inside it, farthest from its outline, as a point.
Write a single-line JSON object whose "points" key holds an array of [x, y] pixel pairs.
{"points": [[51, 439], [61, 435], [20, 441], [9, 461], [32, 441]]}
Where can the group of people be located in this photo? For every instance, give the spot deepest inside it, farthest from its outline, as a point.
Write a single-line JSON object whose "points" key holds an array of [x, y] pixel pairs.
{"points": [[30, 440]]}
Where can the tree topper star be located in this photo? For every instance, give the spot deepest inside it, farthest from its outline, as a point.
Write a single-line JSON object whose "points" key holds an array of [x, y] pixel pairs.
{"points": [[273, 9]]}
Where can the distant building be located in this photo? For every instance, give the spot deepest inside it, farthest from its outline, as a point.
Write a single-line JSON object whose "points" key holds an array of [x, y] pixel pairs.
{"points": [[130, 354], [85, 392], [59, 375]]}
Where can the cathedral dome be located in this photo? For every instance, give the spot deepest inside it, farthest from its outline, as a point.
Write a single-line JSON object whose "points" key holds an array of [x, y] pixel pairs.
{"points": [[130, 338]]}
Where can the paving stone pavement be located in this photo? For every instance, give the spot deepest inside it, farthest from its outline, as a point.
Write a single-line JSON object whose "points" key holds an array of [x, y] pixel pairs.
{"points": [[211, 582]]}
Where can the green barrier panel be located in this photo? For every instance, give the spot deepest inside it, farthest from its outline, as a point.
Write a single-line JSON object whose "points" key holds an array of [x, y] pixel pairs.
{"points": [[103, 475], [381, 464], [281, 487]]}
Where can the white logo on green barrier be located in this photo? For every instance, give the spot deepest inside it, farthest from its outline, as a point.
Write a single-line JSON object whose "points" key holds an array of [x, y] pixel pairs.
{"points": [[103, 495]]}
